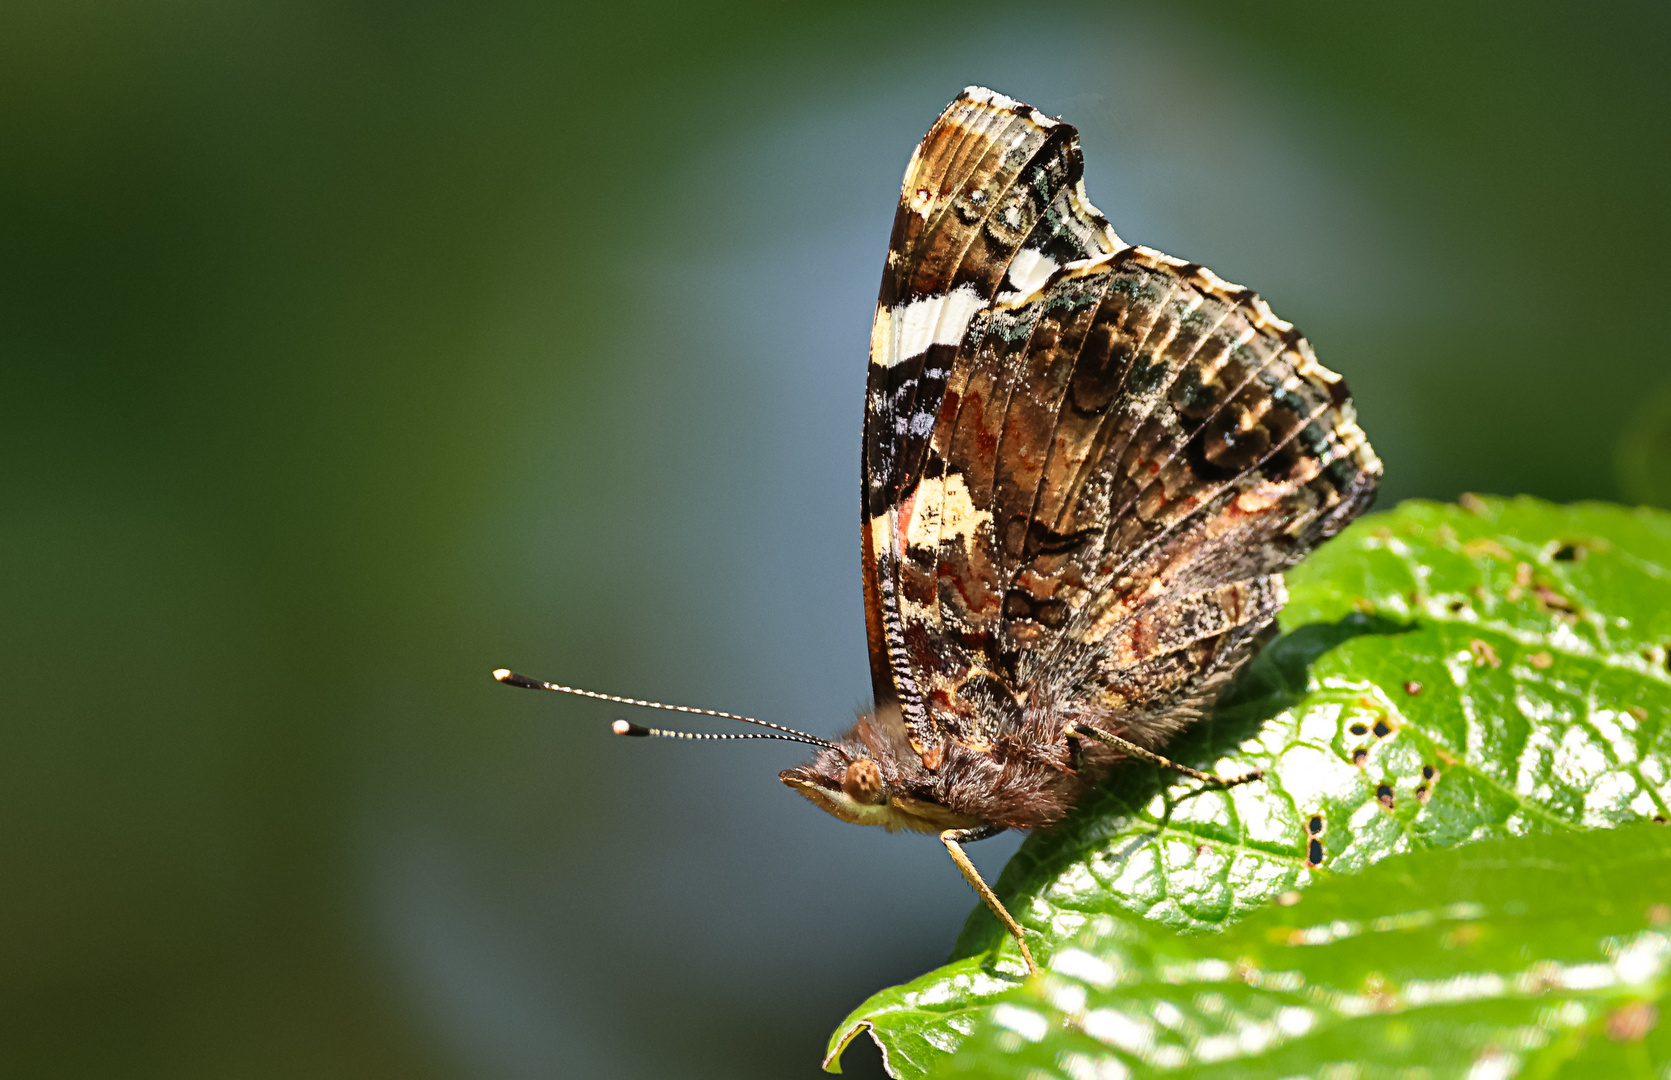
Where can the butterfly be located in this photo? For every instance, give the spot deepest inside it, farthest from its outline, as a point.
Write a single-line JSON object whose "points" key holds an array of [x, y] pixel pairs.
{"points": [[1085, 466]]}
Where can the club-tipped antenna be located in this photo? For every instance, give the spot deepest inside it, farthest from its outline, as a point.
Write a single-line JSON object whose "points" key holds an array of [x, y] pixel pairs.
{"points": [[639, 731], [622, 727]]}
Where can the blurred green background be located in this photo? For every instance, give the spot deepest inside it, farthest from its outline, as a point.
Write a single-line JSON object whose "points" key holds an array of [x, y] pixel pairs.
{"points": [[351, 350]]}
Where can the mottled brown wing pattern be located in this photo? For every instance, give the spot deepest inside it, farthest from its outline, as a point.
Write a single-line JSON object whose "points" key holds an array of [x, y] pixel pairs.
{"points": [[1086, 463], [991, 201], [1226, 454]]}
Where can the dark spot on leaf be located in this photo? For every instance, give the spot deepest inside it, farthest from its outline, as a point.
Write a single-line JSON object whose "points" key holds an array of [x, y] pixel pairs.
{"points": [[1570, 553], [1314, 853], [1422, 794], [1429, 772], [1382, 729], [1412, 688], [1659, 819], [1359, 729], [1550, 600], [1384, 796], [1456, 606], [1359, 757], [1315, 825]]}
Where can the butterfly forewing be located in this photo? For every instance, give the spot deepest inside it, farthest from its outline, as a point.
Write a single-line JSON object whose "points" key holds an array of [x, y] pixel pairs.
{"points": [[990, 204]]}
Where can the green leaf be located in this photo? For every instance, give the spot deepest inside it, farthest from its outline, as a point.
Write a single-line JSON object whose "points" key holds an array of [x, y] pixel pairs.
{"points": [[1456, 675], [1523, 957], [920, 1022]]}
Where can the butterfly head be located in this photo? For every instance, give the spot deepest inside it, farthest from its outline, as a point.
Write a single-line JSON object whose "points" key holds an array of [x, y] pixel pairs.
{"points": [[860, 780]]}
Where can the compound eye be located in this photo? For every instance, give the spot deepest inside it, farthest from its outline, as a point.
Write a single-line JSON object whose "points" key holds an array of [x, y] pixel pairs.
{"points": [[863, 782]]}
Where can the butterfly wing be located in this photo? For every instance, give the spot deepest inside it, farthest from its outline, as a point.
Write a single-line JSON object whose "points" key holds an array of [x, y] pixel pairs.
{"points": [[979, 186], [1085, 462], [1200, 450]]}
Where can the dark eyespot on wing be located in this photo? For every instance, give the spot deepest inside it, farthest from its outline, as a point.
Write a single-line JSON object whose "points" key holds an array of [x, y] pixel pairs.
{"points": [[1019, 604]]}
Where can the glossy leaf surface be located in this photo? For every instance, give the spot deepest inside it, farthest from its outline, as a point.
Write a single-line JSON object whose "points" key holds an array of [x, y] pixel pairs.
{"points": [[1450, 675], [1539, 956]]}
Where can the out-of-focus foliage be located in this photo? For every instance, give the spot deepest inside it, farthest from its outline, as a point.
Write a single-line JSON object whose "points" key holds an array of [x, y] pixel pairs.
{"points": [[1644, 455], [1455, 674]]}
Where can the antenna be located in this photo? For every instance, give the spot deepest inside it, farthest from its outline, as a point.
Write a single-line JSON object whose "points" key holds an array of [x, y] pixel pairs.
{"points": [[622, 727]]}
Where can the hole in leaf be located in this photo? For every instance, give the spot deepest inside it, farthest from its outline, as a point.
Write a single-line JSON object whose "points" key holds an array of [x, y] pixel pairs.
{"points": [[1384, 796]]}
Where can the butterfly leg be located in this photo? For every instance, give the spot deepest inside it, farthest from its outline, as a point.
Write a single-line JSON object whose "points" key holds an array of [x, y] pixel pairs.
{"points": [[1131, 749], [954, 839]]}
